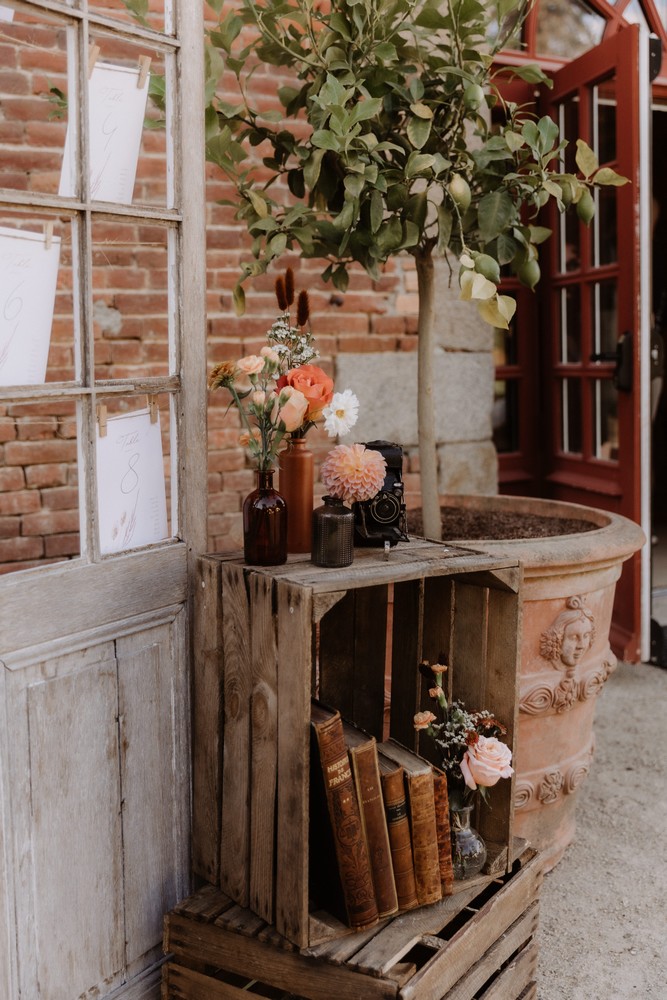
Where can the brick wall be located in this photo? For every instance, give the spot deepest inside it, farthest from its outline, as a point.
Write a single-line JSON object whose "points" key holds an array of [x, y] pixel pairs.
{"points": [[38, 512]]}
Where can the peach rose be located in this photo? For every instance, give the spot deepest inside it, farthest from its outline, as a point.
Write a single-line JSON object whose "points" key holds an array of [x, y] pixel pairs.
{"points": [[423, 720], [315, 385], [486, 762], [252, 364], [289, 410]]}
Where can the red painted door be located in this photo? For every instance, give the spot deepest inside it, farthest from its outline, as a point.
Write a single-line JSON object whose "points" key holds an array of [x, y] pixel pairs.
{"points": [[596, 312]]}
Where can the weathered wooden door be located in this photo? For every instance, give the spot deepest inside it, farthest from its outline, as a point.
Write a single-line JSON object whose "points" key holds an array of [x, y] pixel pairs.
{"points": [[597, 371], [94, 661]]}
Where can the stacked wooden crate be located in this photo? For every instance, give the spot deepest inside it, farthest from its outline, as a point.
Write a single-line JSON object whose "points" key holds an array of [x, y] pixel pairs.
{"points": [[268, 639]]}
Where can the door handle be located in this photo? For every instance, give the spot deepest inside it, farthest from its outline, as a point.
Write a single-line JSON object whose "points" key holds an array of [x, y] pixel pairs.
{"points": [[622, 357]]}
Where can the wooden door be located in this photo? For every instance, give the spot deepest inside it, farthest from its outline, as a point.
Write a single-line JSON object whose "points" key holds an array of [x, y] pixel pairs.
{"points": [[597, 312], [94, 645]]}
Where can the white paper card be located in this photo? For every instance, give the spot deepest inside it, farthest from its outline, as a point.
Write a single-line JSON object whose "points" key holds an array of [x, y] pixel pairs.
{"points": [[28, 278], [116, 109], [6, 13], [132, 504]]}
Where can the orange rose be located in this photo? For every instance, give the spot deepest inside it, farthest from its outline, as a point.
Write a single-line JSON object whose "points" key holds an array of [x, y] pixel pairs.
{"points": [[315, 384]]}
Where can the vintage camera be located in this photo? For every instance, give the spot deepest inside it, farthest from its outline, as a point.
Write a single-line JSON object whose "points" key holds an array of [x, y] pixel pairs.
{"points": [[383, 518]]}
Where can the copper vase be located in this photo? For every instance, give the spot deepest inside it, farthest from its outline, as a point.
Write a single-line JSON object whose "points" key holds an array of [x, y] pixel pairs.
{"points": [[296, 486]]}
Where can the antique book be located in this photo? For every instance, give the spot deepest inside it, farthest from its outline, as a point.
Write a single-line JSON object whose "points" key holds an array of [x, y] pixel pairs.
{"points": [[392, 777], [362, 749], [353, 863], [421, 813], [441, 799]]}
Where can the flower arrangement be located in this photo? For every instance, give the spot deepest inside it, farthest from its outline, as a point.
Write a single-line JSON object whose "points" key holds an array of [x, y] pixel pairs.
{"points": [[279, 391], [353, 473], [471, 754]]}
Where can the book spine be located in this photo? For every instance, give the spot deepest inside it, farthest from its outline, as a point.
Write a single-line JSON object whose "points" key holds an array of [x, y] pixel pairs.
{"points": [[366, 770], [351, 853], [441, 800], [398, 828], [424, 838]]}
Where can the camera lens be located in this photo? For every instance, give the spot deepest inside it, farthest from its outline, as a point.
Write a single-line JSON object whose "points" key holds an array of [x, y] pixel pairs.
{"points": [[385, 508]]}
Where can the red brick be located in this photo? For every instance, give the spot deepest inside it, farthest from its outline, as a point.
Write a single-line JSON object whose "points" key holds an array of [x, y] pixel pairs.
{"points": [[39, 452], [37, 430], [52, 474], [11, 479], [243, 480], [46, 134], [388, 324], [225, 461], [51, 522], [10, 527], [224, 503], [11, 132], [18, 549], [7, 430], [19, 502], [65, 498], [12, 82], [62, 545]]}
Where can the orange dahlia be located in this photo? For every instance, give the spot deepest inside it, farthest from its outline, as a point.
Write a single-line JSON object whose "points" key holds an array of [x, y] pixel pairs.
{"points": [[353, 472]]}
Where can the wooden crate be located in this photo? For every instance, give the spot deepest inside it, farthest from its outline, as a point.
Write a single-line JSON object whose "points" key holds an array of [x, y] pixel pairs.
{"points": [[269, 638], [477, 944]]}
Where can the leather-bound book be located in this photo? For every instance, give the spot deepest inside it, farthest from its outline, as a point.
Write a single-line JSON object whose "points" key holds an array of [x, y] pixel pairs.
{"points": [[421, 812], [398, 827], [441, 799], [345, 818], [366, 771]]}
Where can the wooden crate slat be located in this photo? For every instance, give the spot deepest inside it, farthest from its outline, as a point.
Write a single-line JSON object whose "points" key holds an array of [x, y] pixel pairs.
{"points": [[234, 856], [181, 983], [469, 944], [206, 904], [469, 643], [240, 920], [405, 657], [264, 746], [516, 978], [521, 931], [339, 949], [404, 931], [294, 611], [207, 722], [336, 655], [290, 971], [370, 636]]}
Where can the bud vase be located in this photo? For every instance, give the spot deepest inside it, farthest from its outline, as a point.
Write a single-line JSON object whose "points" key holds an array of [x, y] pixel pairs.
{"points": [[333, 534], [264, 524], [468, 848], [296, 486]]}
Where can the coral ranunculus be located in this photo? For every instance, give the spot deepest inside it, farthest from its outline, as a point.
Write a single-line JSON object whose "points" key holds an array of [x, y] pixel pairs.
{"points": [[315, 384]]}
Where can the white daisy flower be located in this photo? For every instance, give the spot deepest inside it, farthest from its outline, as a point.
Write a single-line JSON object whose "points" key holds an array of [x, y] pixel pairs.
{"points": [[341, 414]]}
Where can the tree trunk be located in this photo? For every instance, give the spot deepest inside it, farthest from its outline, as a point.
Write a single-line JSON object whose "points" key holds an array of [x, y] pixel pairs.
{"points": [[428, 454]]}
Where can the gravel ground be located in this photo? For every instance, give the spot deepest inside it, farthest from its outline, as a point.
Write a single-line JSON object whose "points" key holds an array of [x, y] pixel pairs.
{"points": [[603, 922]]}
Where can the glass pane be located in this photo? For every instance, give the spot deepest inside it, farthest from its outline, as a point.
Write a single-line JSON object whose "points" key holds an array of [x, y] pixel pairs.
{"points": [[606, 250], [635, 15], [604, 117], [39, 502], [570, 248], [36, 300], [571, 416], [33, 88], [134, 472], [605, 317], [506, 415], [153, 17], [567, 28], [569, 128], [570, 325], [605, 420], [515, 42], [505, 346], [130, 300]]}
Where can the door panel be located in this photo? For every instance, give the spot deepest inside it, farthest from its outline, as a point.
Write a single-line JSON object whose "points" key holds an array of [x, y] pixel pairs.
{"points": [[596, 281]]}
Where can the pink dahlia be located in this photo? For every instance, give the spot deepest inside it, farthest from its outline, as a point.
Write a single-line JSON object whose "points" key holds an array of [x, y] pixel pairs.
{"points": [[353, 472]]}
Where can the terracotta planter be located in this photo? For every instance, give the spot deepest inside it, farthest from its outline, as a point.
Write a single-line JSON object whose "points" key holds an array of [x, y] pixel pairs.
{"points": [[569, 584]]}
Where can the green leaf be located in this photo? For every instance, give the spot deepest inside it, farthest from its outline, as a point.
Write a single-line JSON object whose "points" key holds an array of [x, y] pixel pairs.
{"points": [[548, 132], [417, 208], [586, 159], [354, 184], [417, 163], [514, 141], [606, 175], [376, 211], [506, 248], [340, 278], [445, 221], [277, 244], [538, 234], [385, 51], [258, 203], [366, 109], [494, 213], [324, 139], [419, 130], [421, 110], [312, 167], [530, 73], [238, 296], [139, 10]]}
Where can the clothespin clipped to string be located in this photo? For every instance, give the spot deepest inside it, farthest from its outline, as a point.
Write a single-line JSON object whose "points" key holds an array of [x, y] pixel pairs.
{"points": [[48, 234], [144, 66], [102, 419], [93, 54], [152, 408]]}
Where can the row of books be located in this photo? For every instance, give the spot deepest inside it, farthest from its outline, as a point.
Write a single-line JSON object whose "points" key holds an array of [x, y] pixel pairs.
{"points": [[383, 812]]}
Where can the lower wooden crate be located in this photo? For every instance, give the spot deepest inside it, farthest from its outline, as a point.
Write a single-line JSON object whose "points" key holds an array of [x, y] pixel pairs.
{"points": [[479, 944]]}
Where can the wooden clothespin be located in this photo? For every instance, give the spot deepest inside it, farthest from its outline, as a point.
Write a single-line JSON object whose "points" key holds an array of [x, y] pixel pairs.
{"points": [[93, 54], [102, 419], [144, 66], [152, 408], [48, 234]]}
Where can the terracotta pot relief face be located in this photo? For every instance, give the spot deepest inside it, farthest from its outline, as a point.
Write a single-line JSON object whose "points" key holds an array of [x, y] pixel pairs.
{"points": [[570, 637]]}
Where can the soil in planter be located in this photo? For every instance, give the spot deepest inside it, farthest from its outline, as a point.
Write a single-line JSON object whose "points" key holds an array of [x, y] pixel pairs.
{"points": [[459, 523]]}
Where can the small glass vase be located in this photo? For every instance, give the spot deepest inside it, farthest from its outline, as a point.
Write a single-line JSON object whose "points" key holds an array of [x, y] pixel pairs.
{"points": [[264, 524], [333, 534], [296, 487], [468, 848]]}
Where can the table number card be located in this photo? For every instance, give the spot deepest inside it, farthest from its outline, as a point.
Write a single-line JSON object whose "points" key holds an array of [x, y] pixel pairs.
{"points": [[132, 504], [28, 279], [6, 13], [116, 109]]}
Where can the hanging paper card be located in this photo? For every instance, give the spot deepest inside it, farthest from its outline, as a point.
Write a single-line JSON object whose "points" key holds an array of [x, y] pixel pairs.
{"points": [[28, 278], [132, 505], [116, 108], [6, 13]]}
